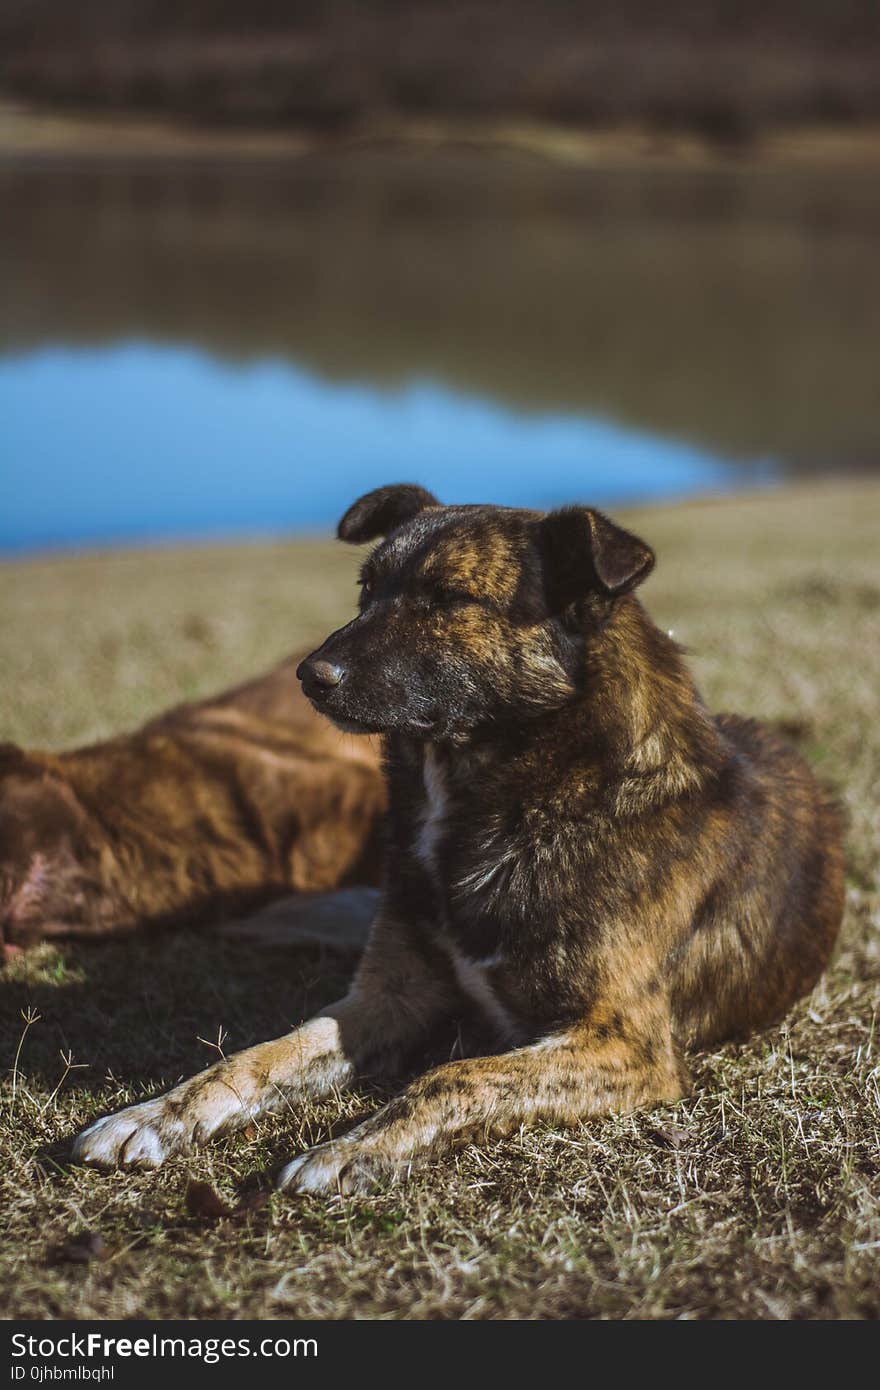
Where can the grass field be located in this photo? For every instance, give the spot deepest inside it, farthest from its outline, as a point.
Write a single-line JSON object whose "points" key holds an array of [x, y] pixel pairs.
{"points": [[757, 1196]]}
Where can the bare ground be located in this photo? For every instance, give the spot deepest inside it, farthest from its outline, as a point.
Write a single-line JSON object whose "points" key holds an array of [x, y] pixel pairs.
{"points": [[48, 135]]}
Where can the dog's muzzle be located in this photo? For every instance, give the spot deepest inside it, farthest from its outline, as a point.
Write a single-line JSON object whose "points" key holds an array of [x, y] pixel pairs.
{"points": [[319, 678]]}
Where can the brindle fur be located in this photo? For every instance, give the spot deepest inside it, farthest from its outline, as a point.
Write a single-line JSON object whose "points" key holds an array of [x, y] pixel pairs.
{"points": [[576, 847], [211, 809]]}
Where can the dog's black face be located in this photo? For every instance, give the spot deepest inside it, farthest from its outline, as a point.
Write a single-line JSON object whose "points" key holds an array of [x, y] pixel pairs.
{"points": [[470, 617]]}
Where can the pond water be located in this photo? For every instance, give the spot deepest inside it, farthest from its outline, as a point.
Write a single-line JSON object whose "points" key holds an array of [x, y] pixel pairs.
{"points": [[193, 352]]}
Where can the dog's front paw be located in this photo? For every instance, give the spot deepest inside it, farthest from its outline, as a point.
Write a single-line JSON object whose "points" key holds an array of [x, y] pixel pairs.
{"points": [[142, 1136], [342, 1166], [215, 1102]]}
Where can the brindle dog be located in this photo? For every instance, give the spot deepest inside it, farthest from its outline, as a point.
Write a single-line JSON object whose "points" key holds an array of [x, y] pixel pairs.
{"points": [[576, 847], [213, 808]]}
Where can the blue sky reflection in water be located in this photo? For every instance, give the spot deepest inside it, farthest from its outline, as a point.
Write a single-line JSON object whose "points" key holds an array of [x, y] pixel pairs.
{"points": [[139, 442]]}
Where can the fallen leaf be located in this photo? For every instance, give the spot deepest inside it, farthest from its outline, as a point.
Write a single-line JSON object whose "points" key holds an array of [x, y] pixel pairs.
{"points": [[80, 1249], [204, 1201], [250, 1203], [671, 1136]]}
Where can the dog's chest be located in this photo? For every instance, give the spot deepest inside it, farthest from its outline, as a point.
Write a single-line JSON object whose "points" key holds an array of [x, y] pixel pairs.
{"points": [[434, 813], [474, 973]]}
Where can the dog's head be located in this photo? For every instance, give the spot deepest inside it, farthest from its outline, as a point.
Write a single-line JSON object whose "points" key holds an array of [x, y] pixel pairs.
{"points": [[43, 850], [470, 617]]}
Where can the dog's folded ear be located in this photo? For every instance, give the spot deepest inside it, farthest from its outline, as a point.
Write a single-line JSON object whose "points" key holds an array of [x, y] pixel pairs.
{"points": [[583, 551], [383, 510]]}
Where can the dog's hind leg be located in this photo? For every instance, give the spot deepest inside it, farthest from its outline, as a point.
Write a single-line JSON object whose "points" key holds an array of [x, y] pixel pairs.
{"points": [[395, 999], [596, 1067]]}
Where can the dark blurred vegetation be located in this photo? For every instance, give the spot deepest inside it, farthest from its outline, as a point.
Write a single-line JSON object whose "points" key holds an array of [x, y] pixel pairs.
{"points": [[726, 68], [740, 311]]}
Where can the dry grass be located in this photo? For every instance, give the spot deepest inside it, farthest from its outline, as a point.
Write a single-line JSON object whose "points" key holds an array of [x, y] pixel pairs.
{"points": [[755, 1197]]}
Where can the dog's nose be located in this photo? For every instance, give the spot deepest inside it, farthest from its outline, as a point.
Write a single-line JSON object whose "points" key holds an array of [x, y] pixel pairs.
{"points": [[319, 676]]}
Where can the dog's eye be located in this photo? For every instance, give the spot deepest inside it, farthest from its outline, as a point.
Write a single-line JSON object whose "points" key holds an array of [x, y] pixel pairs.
{"points": [[452, 598]]}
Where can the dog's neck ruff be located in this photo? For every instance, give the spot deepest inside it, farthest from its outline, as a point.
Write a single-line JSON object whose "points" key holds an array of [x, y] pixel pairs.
{"points": [[436, 806], [474, 977]]}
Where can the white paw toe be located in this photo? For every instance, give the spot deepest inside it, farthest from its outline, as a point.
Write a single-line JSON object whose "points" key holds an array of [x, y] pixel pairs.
{"points": [[145, 1149], [125, 1140], [313, 1171]]}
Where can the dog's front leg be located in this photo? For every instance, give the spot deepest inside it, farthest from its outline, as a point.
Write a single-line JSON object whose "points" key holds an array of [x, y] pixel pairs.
{"points": [[586, 1070], [384, 1013]]}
